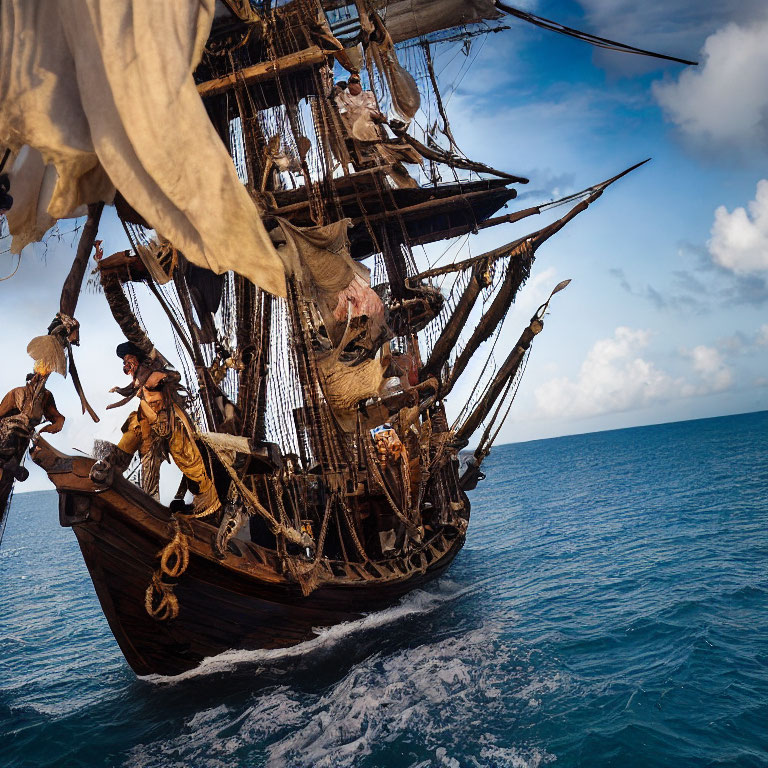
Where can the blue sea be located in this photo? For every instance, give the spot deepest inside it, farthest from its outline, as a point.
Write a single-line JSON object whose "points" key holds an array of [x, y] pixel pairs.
{"points": [[610, 608]]}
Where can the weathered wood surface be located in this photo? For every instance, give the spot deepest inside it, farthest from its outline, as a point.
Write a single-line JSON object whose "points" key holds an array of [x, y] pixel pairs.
{"points": [[240, 602], [264, 70], [70, 291], [425, 214]]}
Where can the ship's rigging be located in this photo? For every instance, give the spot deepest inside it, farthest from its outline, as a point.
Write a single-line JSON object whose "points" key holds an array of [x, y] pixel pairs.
{"points": [[273, 186]]}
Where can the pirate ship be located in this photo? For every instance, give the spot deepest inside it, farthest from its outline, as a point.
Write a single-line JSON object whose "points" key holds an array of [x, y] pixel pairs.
{"points": [[274, 166]]}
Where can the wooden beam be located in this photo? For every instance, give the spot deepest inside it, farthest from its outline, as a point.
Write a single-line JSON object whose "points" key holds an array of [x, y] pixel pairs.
{"points": [[74, 282], [435, 203], [264, 70]]}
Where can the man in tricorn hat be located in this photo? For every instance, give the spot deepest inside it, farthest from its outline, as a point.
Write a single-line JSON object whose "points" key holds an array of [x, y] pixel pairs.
{"points": [[160, 426]]}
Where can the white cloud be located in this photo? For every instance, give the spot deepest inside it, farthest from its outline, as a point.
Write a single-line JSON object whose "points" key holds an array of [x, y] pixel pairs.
{"points": [[740, 239], [708, 363], [762, 335], [725, 100], [615, 378], [611, 379]]}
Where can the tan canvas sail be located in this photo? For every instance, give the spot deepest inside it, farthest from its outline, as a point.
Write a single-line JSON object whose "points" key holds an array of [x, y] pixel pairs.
{"points": [[406, 19], [104, 92]]}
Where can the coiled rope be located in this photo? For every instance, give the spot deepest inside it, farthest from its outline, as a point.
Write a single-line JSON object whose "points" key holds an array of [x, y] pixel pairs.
{"points": [[160, 602]]}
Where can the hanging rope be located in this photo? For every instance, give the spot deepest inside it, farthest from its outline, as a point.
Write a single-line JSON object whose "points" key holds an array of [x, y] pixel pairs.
{"points": [[8, 277], [373, 467], [599, 42], [159, 600]]}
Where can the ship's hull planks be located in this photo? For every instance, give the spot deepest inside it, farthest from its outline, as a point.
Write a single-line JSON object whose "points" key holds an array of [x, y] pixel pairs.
{"points": [[223, 604]]}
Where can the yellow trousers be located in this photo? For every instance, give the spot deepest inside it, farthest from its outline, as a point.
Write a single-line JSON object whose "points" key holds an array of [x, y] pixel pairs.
{"points": [[138, 435]]}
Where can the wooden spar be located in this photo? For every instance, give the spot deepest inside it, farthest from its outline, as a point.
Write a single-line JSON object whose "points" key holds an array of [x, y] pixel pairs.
{"points": [[206, 396], [379, 170], [265, 334], [479, 264], [518, 271], [599, 42], [440, 156], [70, 291], [447, 339], [494, 424], [459, 266], [428, 205], [499, 383], [537, 237], [264, 70], [507, 218], [511, 218], [502, 382], [498, 309]]}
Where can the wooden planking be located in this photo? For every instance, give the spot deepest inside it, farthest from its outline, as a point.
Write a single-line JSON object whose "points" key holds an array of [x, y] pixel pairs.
{"points": [[240, 602], [219, 610]]}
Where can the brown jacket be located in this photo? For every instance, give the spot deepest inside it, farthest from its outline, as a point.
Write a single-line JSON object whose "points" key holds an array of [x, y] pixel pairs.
{"points": [[36, 404]]}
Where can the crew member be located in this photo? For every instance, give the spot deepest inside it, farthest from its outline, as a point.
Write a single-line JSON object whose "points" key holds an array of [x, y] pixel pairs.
{"points": [[160, 427], [33, 404], [368, 141], [21, 410]]}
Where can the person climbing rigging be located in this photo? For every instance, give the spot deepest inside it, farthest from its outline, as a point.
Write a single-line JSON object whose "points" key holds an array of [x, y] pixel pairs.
{"points": [[368, 142], [159, 427]]}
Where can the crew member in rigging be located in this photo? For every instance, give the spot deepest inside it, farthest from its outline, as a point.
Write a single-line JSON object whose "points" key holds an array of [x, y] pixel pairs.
{"points": [[160, 427], [365, 134]]}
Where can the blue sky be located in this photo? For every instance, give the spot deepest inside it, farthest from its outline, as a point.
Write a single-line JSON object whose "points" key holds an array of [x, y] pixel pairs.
{"points": [[658, 325], [666, 318]]}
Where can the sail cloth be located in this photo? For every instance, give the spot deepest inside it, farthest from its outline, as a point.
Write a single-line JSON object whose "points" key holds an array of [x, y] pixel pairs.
{"points": [[104, 92], [407, 19], [402, 87], [340, 290], [340, 287]]}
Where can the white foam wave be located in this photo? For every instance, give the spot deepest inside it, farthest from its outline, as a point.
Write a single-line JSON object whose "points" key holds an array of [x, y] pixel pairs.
{"points": [[414, 603], [432, 704]]}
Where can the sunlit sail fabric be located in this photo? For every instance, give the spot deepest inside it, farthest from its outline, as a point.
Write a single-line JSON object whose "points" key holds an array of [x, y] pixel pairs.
{"points": [[406, 19], [103, 90]]}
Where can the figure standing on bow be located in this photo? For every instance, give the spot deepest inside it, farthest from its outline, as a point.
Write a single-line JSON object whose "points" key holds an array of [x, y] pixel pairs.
{"points": [[159, 427]]}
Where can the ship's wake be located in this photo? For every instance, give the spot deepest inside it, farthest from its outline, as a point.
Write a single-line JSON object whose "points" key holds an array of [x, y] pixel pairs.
{"points": [[415, 603], [433, 704]]}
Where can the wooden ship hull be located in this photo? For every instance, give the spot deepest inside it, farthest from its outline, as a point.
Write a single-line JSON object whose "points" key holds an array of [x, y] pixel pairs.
{"points": [[244, 600], [306, 410]]}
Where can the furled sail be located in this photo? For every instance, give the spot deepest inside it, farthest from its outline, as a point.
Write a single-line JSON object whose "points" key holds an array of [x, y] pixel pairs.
{"points": [[104, 93], [406, 19]]}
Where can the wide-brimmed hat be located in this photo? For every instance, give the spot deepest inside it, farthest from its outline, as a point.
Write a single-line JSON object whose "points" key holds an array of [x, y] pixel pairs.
{"points": [[129, 348]]}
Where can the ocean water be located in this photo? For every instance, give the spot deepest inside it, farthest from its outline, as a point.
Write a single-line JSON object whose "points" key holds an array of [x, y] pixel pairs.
{"points": [[610, 608]]}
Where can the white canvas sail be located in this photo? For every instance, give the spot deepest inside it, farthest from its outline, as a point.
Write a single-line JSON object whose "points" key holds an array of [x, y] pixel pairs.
{"points": [[104, 92]]}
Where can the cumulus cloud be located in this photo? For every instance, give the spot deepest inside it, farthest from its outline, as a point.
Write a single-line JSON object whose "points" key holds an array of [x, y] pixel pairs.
{"points": [[740, 239], [709, 364], [616, 377], [725, 100], [762, 336], [612, 378]]}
